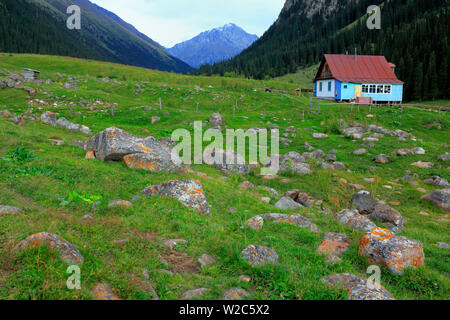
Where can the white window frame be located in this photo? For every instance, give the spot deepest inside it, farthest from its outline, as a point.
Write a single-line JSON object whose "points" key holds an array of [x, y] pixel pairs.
{"points": [[387, 89], [320, 86], [365, 88], [371, 88]]}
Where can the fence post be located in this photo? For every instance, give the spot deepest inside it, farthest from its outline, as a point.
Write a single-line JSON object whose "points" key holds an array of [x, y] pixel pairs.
{"points": [[160, 104], [71, 110], [112, 110], [319, 106], [310, 104], [303, 116], [196, 108], [264, 114], [234, 111]]}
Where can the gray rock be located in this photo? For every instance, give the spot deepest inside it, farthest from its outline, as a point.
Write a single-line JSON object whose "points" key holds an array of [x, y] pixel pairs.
{"points": [[258, 255], [382, 158], [354, 220], [360, 152], [189, 192], [294, 219], [444, 157], [236, 294], [287, 203], [391, 217], [443, 245], [195, 293], [49, 118], [440, 198], [9, 210], [64, 123], [216, 119], [206, 260], [364, 203], [319, 136], [226, 161], [358, 288]]}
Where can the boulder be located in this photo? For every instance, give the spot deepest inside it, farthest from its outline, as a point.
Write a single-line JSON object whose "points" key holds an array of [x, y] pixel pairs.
{"points": [[189, 192], [354, 220], [49, 118], [391, 217], [363, 201], [69, 253], [334, 244], [437, 181], [396, 253], [358, 288], [258, 255], [287, 203], [64, 123], [160, 160], [440, 198], [114, 144]]}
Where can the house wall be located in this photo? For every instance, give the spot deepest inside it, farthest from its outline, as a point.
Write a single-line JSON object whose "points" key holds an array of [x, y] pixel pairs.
{"points": [[325, 93], [348, 93]]}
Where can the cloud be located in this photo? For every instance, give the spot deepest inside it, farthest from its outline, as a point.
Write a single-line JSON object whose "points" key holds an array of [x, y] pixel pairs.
{"points": [[172, 21]]}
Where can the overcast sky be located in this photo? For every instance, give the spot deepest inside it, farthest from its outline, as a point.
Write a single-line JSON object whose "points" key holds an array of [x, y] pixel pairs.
{"points": [[172, 21]]}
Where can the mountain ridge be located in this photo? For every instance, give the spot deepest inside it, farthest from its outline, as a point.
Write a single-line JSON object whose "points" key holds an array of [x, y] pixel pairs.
{"points": [[215, 45]]}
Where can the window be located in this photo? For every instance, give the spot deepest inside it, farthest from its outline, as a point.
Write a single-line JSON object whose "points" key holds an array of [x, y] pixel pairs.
{"points": [[380, 88], [387, 89], [320, 86], [345, 86], [329, 86], [372, 88], [365, 88]]}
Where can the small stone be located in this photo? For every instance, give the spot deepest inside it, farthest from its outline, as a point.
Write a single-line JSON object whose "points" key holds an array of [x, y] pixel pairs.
{"points": [[89, 155], [265, 199], [155, 119], [56, 142], [424, 165], [120, 203], [255, 223], [319, 136], [171, 243], [206, 260], [440, 198], [443, 245], [245, 278], [9, 210], [195, 293], [382, 158], [360, 151], [287, 203], [247, 185], [102, 291]]}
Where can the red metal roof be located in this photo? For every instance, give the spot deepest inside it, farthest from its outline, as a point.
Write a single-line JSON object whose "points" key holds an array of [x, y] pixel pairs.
{"points": [[363, 69]]}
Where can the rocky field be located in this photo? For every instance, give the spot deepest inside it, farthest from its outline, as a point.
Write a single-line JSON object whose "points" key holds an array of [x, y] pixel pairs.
{"points": [[86, 179]]}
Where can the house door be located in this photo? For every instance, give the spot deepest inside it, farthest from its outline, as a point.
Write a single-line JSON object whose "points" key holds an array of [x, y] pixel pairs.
{"points": [[357, 91]]}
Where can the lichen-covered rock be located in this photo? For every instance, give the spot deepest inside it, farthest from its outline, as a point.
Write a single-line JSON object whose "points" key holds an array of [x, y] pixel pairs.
{"points": [[437, 181], [189, 192], [9, 210], [49, 118], [102, 291], [158, 161], [354, 220], [114, 144], [334, 244], [391, 217], [255, 223], [358, 288], [320, 136], [396, 253], [287, 203], [236, 294], [422, 164], [440, 198], [69, 253], [195, 293], [226, 161], [120, 203], [258, 255], [294, 219]]}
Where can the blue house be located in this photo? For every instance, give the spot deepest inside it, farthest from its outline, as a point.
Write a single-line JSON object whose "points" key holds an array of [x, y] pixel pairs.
{"points": [[358, 78]]}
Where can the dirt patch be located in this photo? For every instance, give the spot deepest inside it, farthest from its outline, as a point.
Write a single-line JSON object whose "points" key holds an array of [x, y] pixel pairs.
{"points": [[181, 263]]}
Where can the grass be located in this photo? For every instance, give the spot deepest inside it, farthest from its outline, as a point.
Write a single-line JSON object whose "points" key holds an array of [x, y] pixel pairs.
{"points": [[303, 78], [120, 245]]}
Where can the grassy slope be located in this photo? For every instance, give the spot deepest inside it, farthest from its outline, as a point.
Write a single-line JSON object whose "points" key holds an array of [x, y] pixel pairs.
{"points": [[303, 77], [40, 274]]}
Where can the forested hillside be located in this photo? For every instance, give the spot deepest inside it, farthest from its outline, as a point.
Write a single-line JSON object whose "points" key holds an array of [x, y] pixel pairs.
{"points": [[413, 35], [39, 26]]}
